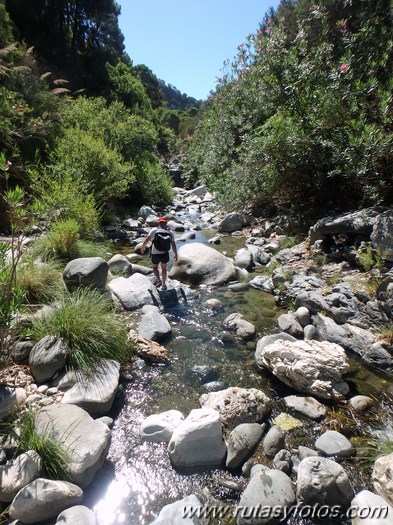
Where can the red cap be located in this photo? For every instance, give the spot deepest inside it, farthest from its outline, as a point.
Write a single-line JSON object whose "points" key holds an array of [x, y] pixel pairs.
{"points": [[161, 219]]}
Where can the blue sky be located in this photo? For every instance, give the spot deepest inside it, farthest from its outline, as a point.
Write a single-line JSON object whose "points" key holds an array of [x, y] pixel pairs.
{"points": [[185, 42]]}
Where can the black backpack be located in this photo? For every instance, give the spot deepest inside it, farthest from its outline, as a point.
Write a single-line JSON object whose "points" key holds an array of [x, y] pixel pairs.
{"points": [[162, 241]]}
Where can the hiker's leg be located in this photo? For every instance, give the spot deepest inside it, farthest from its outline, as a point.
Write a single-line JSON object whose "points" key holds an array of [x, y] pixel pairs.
{"points": [[156, 272], [163, 271]]}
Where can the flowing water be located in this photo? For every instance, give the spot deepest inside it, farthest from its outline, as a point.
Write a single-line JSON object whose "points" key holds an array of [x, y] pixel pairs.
{"points": [[138, 480]]}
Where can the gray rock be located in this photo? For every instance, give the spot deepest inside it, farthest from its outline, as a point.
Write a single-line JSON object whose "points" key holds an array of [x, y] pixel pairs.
{"points": [[243, 329], [288, 324], [198, 441], [382, 236], [159, 428], [201, 264], [368, 508], [48, 356], [17, 473], [94, 393], [86, 271], [231, 223], [173, 514], [119, 264], [263, 283], [135, 291], [274, 441], [323, 481], [77, 515], [237, 405], [308, 406], [283, 461], [305, 452], [86, 441], [21, 350], [268, 340], [382, 477], [309, 332], [308, 366], [361, 403], [154, 325], [332, 443], [43, 499], [8, 401], [302, 315], [244, 259], [267, 489], [241, 443]]}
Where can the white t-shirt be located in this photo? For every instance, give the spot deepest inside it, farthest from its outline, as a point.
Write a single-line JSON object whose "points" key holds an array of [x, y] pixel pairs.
{"points": [[152, 234]]}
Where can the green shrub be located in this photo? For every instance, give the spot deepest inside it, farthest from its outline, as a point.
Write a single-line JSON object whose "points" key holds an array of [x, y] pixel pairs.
{"points": [[60, 240], [92, 330]]}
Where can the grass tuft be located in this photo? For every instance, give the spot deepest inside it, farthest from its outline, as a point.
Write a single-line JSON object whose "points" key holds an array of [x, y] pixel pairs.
{"points": [[87, 322], [41, 282]]}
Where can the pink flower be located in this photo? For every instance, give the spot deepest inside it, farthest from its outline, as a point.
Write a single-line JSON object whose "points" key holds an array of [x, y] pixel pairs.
{"points": [[344, 67], [268, 30], [9, 163], [341, 24], [298, 37]]}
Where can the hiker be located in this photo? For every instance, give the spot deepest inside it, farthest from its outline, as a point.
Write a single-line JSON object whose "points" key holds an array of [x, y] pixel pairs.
{"points": [[163, 240]]}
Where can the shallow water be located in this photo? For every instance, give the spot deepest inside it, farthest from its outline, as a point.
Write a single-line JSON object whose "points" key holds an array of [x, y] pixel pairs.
{"points": [[138, 480]]}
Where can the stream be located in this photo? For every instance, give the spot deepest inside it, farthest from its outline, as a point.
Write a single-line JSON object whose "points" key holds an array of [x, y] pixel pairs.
{"points": [[137, 480]]}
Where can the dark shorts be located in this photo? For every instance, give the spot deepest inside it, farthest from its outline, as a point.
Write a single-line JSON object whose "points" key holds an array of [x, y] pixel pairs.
{"points": [[160, 258]]}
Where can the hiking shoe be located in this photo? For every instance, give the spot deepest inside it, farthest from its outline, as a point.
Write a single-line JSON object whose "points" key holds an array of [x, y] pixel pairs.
{"points": [[158, 283], [164, 286]]}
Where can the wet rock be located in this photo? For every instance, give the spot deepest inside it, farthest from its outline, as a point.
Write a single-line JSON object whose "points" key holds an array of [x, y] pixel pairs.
{"points": [[159, 428], [198, 441], [154, 325], [135, 291], [238, 405], [307, 406], [323, 481], [150, 351], [308, 366], [287, 422], [243, 329], [332, 443], [241, 443]]}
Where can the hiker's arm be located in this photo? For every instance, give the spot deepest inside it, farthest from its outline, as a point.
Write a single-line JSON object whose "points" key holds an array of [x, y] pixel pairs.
{"points": [[143, 247], [174, 248]]}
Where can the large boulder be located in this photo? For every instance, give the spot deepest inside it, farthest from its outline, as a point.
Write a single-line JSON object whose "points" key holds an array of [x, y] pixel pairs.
{"points": [[86, 271], [154, 325], [47, 357], [43, 499], [368, 508], [201, 264], [237, 405], [85, 440], [159, 428], [382, 235], [323, 481], [383, 478], [242, 442], [231, 223], [17, 473], [198, 441], [308, 366], [135, 291], [94, 393], [268, 489]]}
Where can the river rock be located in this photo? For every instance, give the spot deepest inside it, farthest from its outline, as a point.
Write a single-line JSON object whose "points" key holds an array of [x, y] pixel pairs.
{"points": [[8, 401], [173, 514], [274, 441], [231, 223], [86, 441], [323, 481], [361, 403], [244, 259], [198, 441], [120, 264], [48, 356], [307, 406], [135, 291], [237, 405], [268, 340], [149, 351], [263, 283], [77, 515], [287, 323], [302, 315], [382, 477], [382, 234], [17, 473], [308, 366], [94, 393], [91, 272], [368, 508], [283, 461], [201, 264], [43, 499], [241, 443], [243, 329], [154, 325], [159, 428], [333, 443], [267, 489]]}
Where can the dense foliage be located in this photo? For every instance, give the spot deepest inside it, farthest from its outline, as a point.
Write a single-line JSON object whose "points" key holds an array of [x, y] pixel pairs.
{"points": [[302, 118]]}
